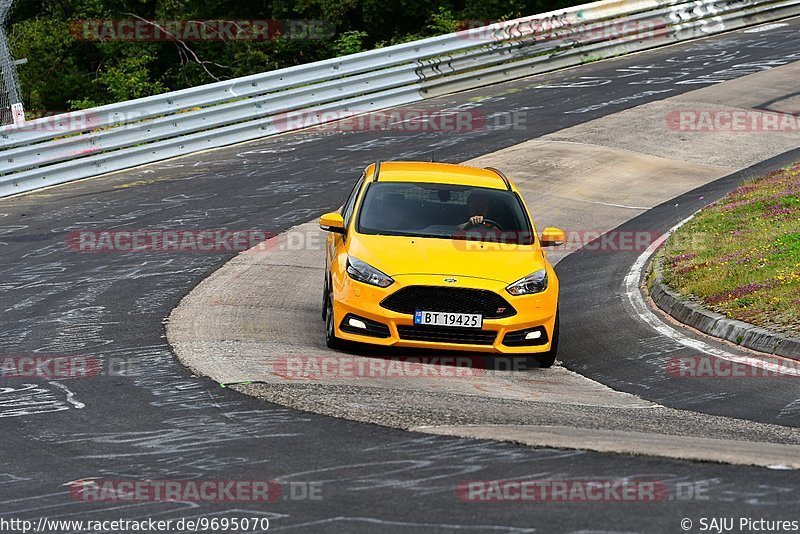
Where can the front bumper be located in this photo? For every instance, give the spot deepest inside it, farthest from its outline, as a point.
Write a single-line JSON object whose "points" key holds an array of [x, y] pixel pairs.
{"points": [[363, 301]]}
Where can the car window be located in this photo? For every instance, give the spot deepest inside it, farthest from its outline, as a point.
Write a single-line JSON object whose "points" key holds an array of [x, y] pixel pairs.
{"points": [[443, 211], [347, 211]]}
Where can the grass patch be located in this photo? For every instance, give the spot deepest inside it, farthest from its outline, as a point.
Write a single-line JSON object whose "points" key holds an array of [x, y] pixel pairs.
{"points": [[741, 255]]}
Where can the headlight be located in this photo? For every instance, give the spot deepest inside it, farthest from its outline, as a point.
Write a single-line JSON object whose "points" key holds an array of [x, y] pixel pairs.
{"points": [[533, 283], [364, 272]]}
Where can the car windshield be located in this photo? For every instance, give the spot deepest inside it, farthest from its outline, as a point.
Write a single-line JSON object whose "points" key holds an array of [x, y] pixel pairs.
{"points": [[444, 211]]}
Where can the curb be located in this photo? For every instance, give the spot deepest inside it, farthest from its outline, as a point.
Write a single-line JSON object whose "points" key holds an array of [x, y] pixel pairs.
{"points": [[718, 325]]}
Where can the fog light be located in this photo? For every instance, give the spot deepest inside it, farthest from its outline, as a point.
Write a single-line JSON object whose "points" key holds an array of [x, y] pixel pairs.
{"points": [[355, 323], [529, 337]]}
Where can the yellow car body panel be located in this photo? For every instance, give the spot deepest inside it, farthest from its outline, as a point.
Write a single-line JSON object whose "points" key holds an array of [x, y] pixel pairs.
{"points": [[423, 261], [437, 173]]}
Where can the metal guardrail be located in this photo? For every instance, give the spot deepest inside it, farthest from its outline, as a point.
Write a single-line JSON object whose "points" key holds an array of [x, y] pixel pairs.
{"points": [[71, 146]]}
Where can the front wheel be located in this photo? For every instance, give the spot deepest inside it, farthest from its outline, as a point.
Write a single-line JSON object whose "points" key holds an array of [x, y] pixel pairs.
{"points": [[331, 340], [325, 299], [547, 359]]}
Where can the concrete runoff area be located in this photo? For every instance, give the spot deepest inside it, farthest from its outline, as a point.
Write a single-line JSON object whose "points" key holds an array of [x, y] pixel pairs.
{"points": [[240, 325], [655, 128]]}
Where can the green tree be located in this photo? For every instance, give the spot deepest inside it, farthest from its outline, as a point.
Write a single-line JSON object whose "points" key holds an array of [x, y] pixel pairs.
{"points": [[349, 42], [54, 73], [65, 69]]}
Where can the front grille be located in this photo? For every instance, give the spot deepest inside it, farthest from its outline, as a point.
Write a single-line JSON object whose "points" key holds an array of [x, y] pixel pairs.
{"points": [[444, 334], [449, 299]]}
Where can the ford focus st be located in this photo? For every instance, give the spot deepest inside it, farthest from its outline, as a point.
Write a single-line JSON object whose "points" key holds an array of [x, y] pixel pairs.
{"points": [[439, 256]]}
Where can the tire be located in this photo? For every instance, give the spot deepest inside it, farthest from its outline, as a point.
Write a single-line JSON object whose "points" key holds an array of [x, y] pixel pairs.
{"points": [[547, 359], [331, 340], [325, 299]]}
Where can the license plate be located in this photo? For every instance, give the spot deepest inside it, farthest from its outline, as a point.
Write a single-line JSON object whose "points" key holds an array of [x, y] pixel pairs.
{"points": [[464, 320]]}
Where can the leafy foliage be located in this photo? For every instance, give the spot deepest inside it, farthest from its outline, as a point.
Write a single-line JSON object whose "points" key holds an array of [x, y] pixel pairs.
{"points": [[64, 72]]}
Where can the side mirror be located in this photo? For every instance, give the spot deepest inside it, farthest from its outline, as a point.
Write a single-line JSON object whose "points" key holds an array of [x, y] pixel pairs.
{"points": [[552, 237], [332, 222]]}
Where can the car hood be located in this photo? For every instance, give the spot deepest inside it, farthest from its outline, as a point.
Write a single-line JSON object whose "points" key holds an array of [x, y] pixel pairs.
{"points": [[397, 255]]}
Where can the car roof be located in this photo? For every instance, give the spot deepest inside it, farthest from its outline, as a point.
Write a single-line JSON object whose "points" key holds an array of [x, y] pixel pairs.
{"points": [[437, 173]]}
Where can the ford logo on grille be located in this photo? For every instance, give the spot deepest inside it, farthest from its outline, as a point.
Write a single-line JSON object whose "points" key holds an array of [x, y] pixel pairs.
{"points": [[450, 280]]}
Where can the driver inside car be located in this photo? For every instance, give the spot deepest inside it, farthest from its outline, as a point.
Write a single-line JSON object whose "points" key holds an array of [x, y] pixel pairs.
{"points": [[477, 204]]}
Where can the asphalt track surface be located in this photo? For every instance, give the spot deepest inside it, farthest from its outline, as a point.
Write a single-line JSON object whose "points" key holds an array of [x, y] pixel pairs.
{"points": [[630, 355], [159, 422]]}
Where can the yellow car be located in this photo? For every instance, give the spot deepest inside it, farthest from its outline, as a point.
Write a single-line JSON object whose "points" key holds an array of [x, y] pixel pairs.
{"points": [[439, 256]]}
